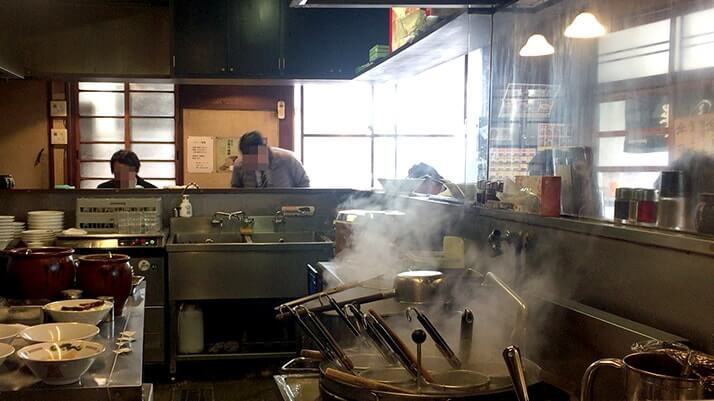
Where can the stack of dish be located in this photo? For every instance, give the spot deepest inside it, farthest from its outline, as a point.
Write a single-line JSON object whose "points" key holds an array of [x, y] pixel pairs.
{"points": [[7, 231], [38, 238], [18, 228], [62, 353], [46, 220]]}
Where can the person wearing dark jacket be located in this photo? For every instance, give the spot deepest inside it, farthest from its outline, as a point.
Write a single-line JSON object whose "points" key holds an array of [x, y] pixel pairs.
{"points": [[262, 166], [125, 167]]}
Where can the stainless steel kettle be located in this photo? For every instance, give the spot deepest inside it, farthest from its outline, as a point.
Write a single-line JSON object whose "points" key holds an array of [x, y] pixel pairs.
{"points": [[648, 376]]}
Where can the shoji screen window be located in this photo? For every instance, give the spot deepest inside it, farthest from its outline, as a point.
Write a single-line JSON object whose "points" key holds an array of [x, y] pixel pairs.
{"points": [[136, 116]]}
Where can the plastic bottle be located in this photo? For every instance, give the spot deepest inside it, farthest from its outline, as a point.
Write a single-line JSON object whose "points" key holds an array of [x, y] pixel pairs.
{"points": [[190, 329], [185, 208]]}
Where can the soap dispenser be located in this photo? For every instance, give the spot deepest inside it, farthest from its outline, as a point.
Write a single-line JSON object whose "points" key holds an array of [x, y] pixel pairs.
{"points": [[185, 208]]}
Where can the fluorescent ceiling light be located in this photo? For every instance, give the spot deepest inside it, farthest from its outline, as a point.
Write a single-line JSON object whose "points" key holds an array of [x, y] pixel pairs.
{"points": [[585, 26], [536, 45]]}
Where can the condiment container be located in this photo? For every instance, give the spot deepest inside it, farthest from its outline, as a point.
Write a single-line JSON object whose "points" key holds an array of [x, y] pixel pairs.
{"points": [[40, 273], [646, 205], [106, 274], [624, 199], [190, 329], [705, 213], [671, 209]]}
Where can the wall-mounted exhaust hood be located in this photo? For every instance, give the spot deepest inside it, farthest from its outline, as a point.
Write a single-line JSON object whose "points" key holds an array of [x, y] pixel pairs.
{"points": [[482, 4]]}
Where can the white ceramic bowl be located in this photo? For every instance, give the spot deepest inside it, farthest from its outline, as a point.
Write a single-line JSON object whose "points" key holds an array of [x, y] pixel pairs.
{"points": [[89, 316], [53, 332], [9, 331], [5, 351], [61, 362]]}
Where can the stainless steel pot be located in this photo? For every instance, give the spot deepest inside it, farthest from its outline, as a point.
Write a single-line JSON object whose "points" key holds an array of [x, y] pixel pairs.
{"points": [[418, 286], [648, 376]]}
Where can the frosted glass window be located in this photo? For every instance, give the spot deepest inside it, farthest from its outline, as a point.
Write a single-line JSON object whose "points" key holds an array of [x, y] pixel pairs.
{"points": [[697, 43], [101, 130], [635, 52], [153, 129], [95, 170], [152, 104], [384, 158], [338, 162], [612, 116], [432, 103], [611, 153], [108, 104], [158, 169], [445, 154], [385, 98], [151, 87], [98, 151], [152, 151], [101, 86], [337, 109]]}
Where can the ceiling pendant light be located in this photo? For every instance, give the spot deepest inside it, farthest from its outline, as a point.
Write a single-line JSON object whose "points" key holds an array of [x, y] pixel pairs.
{"points": [[536, 45], [585, 26]]}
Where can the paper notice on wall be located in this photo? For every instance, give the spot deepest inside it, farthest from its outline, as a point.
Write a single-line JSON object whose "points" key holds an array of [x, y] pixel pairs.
{"points": [[200, 154], [227, 152]]}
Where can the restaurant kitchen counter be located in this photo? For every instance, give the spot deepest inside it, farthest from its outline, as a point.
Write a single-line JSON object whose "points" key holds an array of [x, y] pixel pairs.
{"points": [[112, 377]]}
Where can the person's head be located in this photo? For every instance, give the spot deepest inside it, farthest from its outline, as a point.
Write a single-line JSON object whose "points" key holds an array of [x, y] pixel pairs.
{"points": [[125, 166], [432, 183], [254, 148]]}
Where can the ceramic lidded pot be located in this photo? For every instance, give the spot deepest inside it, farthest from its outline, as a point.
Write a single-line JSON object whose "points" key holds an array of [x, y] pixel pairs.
{"points": [[106, 274], [40, 273]]}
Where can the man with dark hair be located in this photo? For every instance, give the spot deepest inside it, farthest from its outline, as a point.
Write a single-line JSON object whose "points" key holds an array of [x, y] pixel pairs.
{"points": [[125, 167], [262, 166]]}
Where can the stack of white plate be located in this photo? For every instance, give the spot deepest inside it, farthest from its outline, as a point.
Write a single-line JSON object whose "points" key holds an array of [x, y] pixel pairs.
{"points": [[46, 220], [7, 231], [38, 238], [18, 228]]}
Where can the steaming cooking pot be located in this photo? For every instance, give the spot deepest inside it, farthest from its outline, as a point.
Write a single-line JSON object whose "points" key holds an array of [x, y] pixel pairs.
{"points": [[418, 286], [648, 376], [40, 273], [338, 390]]}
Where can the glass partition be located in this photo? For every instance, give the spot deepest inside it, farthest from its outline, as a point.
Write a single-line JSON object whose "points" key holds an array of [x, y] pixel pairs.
{"points": [[606, 110]]}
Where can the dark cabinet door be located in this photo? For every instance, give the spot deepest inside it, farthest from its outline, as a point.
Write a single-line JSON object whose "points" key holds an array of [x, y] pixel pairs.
{"points": [[255, 48], [331, 43], [200, 37]]}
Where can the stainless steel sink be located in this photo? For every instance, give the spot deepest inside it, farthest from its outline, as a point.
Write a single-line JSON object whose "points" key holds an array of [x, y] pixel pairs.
{"points": [[207, 238], [282, 237], [208, 261]]}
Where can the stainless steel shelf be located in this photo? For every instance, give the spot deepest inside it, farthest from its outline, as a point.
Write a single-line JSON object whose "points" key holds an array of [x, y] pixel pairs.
{"points": [[235, 356]]}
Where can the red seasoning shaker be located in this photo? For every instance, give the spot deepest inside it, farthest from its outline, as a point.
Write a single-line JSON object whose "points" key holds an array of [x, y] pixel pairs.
{"points": [[646, 205]]}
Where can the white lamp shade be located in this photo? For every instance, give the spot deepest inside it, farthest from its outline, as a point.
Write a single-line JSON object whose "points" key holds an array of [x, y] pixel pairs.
{"points": [[585, 26], [536, 45]]}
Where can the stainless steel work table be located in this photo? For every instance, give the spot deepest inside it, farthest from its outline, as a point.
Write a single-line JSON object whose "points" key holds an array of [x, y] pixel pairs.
{"points": [[112, 377]]}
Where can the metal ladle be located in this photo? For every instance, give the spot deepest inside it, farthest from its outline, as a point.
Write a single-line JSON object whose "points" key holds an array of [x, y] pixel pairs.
{"points": [[439, 341]]}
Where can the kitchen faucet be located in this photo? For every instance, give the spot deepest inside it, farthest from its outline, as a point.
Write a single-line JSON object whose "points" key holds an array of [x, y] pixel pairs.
{"points": [[220, 217]]}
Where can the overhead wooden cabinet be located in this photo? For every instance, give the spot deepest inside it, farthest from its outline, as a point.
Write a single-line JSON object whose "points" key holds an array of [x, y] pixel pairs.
{"points": [[268, 39]]}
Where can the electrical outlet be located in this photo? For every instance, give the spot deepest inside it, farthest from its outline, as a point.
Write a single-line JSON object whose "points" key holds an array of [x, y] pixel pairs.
{"points": [[281, 109], [58, 108], [58, 136]]}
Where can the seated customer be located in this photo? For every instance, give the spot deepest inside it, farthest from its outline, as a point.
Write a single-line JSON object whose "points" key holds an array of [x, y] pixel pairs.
{"points": [[262, 166], [125, 167]]}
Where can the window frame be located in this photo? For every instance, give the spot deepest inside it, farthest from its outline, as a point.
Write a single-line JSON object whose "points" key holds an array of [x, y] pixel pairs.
{"points": [[75, 141], [395, 135]]}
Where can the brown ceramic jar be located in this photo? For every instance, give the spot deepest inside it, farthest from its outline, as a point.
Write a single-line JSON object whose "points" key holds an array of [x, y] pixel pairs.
{"points": [[40, 273], [106, 274]]}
